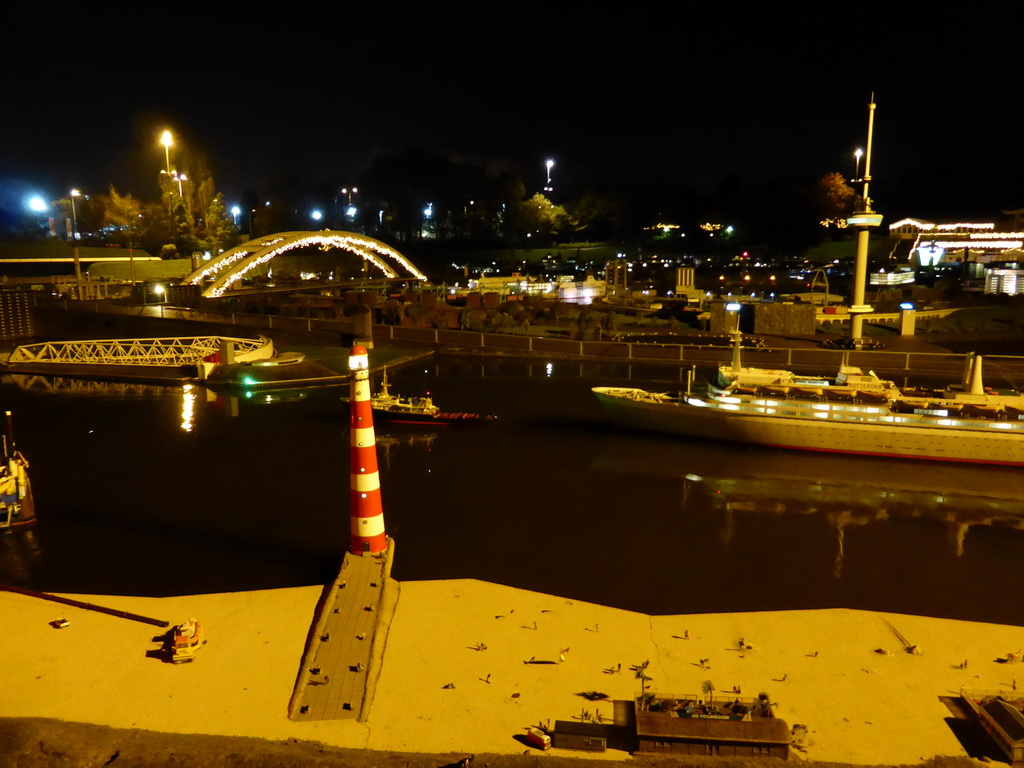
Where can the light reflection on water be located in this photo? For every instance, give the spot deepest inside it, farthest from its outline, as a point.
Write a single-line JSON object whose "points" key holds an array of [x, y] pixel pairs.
{"points": [[254, 495]]}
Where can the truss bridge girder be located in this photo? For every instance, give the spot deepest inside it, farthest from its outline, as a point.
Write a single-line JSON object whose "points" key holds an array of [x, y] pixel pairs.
{"points": [[169, 351]]}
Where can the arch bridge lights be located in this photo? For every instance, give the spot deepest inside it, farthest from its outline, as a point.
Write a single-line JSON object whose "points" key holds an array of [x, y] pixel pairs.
{"points": [[230, 266]]}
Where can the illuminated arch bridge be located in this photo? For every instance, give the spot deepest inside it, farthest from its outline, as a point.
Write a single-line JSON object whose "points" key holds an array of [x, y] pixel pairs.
{"points": [[224, 270]]}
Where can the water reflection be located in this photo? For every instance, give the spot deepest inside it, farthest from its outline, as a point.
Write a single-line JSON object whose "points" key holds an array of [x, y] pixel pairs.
{"points": [[65, 385], [20, 555], [846, 490]]}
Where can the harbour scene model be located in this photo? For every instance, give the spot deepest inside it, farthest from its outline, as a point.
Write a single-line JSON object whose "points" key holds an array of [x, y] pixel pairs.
{"points": [[814, 555]]}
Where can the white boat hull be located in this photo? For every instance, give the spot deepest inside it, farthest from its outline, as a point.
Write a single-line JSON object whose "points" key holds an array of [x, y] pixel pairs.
{"points": [[982, 444]]}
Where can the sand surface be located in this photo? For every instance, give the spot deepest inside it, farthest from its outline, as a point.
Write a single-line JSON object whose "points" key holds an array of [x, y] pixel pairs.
{"points": [[859, 706]]}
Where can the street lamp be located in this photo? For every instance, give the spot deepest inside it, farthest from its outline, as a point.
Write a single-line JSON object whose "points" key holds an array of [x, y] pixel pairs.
{"points": [[74, 243], [74, 218], [858, 154], [547, 165], [167, 140]]}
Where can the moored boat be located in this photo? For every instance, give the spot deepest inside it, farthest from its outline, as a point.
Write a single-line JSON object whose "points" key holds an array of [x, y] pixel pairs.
{"points": [[17, 507], [855, 413]]}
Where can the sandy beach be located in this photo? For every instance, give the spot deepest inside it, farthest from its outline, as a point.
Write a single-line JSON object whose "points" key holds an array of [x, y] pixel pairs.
{"points": [[821, 667]]}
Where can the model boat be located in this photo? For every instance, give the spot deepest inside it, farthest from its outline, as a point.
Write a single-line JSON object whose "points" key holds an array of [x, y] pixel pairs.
{"points": [[418, 411], [17, 508], [855, 412]]}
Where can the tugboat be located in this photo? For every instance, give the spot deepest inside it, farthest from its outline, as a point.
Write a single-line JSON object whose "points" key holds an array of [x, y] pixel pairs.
{"points": [[418, 411], [17, 508]]}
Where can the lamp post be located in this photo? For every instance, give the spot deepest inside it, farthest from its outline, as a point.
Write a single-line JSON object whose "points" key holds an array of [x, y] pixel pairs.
{"points": [[858, 153], [167, 140], [74, 243], [547, 165]]}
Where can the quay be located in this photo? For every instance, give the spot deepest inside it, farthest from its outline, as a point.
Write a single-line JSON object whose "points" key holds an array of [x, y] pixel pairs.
{"points": [[821, 668]]}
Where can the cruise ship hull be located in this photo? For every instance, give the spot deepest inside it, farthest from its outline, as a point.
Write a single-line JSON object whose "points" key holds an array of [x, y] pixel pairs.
{"points": [[981, 445]]}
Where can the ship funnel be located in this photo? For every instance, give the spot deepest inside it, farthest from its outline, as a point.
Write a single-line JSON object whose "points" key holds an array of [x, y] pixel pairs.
{"points": [[977, 387], [737, 338], [965, 380], [366, 512]]}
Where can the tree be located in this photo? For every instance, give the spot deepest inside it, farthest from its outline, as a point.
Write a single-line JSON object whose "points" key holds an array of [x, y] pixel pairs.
{"points": [[599, 215], [124, 214], [539, 217], [833, 198], [184, 229], [641, 674], [708, 689], [220, 230]]}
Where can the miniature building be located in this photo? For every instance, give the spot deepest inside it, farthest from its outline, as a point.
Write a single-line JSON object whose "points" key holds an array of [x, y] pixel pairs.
{"points": [[1002, 720], [591, 737], [764, 317], [683, 729]]}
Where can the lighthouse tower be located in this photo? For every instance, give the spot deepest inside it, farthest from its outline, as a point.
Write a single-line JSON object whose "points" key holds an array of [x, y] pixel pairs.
{"points": [[366, 512]]}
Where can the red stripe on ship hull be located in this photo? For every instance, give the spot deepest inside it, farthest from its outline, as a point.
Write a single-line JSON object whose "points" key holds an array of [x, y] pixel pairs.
{"points": [[893, 455]]}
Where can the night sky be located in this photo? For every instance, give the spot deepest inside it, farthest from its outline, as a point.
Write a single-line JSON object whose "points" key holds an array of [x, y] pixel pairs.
{"points": [[663, 100]]}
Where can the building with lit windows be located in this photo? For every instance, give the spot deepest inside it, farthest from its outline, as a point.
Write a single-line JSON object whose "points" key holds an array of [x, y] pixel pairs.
{"points": [[977, 249]]}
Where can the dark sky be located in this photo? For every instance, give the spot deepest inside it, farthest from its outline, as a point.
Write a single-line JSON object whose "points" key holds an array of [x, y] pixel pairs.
{"points": [[667, 98]]}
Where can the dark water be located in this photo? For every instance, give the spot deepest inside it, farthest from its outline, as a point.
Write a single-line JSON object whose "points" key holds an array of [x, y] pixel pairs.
{"points": [[549, 498]]}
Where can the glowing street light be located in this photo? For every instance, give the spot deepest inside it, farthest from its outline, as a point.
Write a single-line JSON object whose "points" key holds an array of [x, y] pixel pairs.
{"points": [[858, 154], [167, 140], [74, 242], [179, 177], [74, 217], [36, 204], [235, 211], [316, 215], [547, 165]]}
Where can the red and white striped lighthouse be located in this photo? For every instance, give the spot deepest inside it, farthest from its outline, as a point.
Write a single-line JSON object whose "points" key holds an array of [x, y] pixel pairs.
{"points": [[366, 512]]}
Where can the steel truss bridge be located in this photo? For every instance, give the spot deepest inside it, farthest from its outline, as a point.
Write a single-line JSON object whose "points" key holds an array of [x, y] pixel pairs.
{"points": [[171, 352], [224, 270]]}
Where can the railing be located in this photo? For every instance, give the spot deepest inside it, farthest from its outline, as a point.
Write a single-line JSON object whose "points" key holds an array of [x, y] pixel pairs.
{"points": [[921, 363]]}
